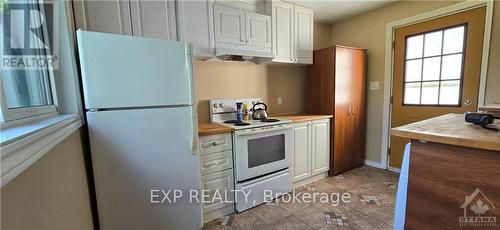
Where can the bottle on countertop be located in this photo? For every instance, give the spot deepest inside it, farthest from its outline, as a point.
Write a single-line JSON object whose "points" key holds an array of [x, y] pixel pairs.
{"points": [[239, 111], [246, 112]]}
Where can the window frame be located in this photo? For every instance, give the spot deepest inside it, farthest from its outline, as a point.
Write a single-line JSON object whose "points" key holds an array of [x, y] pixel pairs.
{"points": [[441, 55], [11, 114]]}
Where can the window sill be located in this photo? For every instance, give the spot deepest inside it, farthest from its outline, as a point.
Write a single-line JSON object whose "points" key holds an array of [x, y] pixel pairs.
{"points": [[24, 144]]}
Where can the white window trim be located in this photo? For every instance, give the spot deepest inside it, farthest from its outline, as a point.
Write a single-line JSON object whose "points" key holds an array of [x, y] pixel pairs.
{"points": [[22, 145], [25, 140]]}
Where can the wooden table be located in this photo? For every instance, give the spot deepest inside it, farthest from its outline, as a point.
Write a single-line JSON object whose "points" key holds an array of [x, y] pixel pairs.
{"points": [[449, 161]]}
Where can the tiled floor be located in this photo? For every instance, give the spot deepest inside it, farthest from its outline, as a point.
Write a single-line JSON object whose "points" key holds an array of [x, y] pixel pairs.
{"points": [[371, 206]]}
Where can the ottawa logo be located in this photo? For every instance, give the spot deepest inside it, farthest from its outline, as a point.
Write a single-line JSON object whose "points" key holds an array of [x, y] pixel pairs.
{"points": [[479, 204]]}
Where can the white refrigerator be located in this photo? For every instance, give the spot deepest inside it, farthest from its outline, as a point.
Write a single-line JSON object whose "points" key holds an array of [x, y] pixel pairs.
{"points": [[143, 132]]}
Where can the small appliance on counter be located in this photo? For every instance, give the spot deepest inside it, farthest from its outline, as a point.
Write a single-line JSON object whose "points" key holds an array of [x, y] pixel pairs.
{"points": [[482, 119], [262, 150]]}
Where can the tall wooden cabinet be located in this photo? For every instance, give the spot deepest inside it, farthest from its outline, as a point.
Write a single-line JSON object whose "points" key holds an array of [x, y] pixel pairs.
{"points": [[336, 86]]}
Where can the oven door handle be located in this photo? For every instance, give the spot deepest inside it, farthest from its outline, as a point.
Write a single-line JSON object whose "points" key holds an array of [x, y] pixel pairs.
{"points": [[261, 130]]}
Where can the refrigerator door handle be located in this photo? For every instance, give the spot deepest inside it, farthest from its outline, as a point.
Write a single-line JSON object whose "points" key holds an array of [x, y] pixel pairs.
{"points": [[195, 132]]}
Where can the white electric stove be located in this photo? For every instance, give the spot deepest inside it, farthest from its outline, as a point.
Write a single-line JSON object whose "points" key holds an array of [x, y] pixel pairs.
{"points": [[262, 152]]}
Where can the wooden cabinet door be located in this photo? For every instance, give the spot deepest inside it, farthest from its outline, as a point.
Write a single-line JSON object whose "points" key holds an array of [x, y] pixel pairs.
{"points": [[302, 151], [357, 111], [258, 30], [303, 35], [195, 25], [153, 19], [320, 146], [229, 25], [282, 27], [342, 124], [110, 16]]}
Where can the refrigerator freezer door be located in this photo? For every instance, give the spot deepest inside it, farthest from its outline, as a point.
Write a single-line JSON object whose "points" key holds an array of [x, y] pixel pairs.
{"points": [[136, 154], [121, 71]]}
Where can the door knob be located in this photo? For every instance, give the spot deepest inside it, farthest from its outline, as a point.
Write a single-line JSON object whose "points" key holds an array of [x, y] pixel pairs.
{"points": [[467, 101]]}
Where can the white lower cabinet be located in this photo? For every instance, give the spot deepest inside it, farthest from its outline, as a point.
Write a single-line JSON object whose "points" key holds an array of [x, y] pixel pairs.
{"points": [[217, 180], [311, 154]]}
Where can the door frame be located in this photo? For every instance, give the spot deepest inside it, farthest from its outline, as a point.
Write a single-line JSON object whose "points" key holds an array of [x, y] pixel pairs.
{"points": [[389, 58]]}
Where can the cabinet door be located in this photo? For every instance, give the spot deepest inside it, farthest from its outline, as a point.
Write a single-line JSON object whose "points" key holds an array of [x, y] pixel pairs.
{"points": [[219, 182], [282, 27], [303, 35], [195, 25], [357, 112], [229, 25], [111, 16], [320, 146], [342, 125], [301, 153], [153, 19], [258, 29]]}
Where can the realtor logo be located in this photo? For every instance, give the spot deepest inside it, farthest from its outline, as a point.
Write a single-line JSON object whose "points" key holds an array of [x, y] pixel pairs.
{"points": [[479, 204], [30, 34]]}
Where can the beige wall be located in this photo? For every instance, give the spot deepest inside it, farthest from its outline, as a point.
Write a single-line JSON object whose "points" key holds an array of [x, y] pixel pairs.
{"points": [[322, 36], [51, 194], [214, 79], [368, 31]]}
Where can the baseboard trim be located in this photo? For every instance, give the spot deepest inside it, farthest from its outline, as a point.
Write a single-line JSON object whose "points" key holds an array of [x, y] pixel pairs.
{"points": [[373, 164], [392, 169]]}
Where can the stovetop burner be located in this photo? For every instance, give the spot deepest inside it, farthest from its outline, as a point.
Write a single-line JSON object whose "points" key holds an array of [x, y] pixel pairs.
{"points": [[241, 124], [269, 120], [232, 121]]}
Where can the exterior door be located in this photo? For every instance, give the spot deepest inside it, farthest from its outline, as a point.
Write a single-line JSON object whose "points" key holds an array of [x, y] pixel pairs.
{"points": [[437, 66]]}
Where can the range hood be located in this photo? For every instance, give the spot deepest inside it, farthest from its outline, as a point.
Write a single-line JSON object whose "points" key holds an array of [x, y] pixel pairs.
{"points": [[255, 56]]}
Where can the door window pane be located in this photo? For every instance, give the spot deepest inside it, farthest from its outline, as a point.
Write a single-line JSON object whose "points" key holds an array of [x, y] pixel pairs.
{"points": [[453, 40], [414, 46], [435, 77], [413, 70], [432, 45], [412, 93], [430, 91], [266, 150], [452, 67], [450, 93], [431, 68]]}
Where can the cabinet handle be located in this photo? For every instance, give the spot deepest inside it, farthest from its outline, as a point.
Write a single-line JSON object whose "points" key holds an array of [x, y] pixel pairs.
{"points": [[352, 110], [348, 110]]}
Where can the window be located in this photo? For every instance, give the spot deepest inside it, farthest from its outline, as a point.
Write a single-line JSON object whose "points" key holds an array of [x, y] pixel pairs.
{"points": [[434, 67], [25, 87]]}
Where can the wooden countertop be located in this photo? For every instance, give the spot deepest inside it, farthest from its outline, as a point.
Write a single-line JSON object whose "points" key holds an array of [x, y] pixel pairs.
{"points": [[205, 129], [303, 117], [453, 130]]}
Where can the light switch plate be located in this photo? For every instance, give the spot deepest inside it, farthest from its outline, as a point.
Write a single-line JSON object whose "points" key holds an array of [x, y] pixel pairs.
{"points": [[280, 100], [374, 85]]}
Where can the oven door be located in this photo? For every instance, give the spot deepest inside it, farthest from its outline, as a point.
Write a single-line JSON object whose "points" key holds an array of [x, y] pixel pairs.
{"points": [[262, 150]]}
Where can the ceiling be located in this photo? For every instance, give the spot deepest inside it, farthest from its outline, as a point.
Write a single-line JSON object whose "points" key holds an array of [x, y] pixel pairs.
{"points": [[331, 11]]}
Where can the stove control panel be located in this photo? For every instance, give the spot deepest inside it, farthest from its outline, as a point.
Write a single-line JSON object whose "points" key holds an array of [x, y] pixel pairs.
{"points": [[225, 109]]}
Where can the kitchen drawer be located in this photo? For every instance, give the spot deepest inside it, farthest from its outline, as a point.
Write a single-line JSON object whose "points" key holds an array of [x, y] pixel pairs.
{"points": [[221, 182], [215, 162], [215, 143]]}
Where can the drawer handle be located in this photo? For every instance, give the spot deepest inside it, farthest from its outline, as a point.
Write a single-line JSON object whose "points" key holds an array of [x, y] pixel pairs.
{"points": [[213, 144], [214, 163]]}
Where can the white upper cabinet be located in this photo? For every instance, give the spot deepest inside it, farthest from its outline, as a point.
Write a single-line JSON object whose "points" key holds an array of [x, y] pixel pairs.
{"points": [[229, 25], [292, 33], [195, 25], [258, 30], [282, 17], [153, 19], [103, 16], [303, 35]]}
